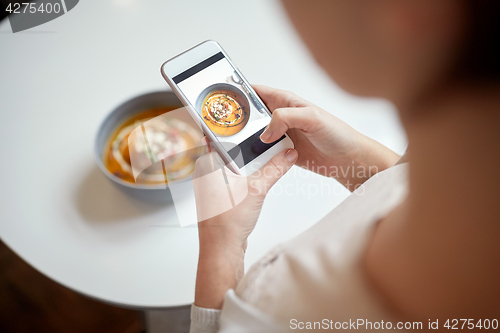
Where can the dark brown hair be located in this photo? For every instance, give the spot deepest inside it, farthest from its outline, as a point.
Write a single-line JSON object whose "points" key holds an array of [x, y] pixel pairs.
{"points": [[480, 60]]}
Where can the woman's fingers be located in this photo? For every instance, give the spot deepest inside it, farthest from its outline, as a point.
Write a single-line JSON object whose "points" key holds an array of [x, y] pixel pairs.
{"points": [[262, 180], [305, 119], [276, 98]]}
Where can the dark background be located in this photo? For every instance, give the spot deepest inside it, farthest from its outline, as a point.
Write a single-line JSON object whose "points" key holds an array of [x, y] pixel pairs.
{"points": [[31, 302]]}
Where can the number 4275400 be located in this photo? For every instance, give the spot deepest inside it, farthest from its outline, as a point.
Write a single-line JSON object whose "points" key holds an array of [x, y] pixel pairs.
{"points": [[461, 324], [25, 7]]}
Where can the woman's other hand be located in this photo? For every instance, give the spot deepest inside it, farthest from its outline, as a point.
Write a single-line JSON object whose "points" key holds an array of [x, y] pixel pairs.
{"points": [[228, 206], [326, 145]]}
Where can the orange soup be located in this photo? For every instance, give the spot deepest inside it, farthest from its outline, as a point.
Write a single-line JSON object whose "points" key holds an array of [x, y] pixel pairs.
{"points": [[173, 142], [223, 114]]}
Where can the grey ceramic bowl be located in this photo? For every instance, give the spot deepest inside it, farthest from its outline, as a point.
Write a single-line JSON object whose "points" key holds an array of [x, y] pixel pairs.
{"points": [[150, 193]]}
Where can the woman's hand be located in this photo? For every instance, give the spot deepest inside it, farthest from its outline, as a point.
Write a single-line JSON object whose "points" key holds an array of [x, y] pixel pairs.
{"points": [[228, 207], [326, 145]]}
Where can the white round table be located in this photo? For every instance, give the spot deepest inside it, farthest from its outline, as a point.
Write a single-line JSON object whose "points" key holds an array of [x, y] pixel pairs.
{"points": [[58, 82]]}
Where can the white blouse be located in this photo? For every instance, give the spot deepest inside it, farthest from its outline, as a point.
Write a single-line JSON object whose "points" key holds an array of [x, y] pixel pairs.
{"points": [[314, 280]]}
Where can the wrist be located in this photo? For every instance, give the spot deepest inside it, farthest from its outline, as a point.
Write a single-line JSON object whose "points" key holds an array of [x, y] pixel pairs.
{"points": [[375, 157], [221, 248], [232, 256], [220, 266], [368, 158], [220, 238]]}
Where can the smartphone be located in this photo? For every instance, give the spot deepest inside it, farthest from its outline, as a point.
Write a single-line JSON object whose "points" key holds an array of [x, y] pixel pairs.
{"points": [[224, 105]]}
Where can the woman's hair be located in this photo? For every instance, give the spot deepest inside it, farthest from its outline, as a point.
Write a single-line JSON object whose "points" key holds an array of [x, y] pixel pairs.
{"points": [[480, 60]]}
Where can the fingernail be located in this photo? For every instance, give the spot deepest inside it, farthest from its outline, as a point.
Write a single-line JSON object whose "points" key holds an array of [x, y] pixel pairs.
{"points": [[291, 155], [266, 136]]}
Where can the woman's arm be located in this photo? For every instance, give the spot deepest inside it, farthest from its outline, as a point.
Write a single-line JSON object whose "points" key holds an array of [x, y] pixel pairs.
{"points": [[220, 265], [223, 238]]}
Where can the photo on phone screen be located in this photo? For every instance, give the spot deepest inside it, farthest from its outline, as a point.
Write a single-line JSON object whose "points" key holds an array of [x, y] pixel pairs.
{"points": [[227, 106]]}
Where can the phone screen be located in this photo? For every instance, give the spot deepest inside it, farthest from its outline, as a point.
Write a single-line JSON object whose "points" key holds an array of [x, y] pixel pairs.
{"points": [[228, 106]]}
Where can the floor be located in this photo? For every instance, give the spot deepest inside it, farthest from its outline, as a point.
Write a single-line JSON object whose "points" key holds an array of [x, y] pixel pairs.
{"points": [[30, 302]]}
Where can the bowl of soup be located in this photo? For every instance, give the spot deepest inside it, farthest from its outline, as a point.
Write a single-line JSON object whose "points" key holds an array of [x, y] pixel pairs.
{"points": [[146, 142], [224, 108]]}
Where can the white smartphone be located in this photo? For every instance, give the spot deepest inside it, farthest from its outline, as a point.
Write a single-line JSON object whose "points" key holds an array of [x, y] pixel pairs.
{"points": [[224, 105]]}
